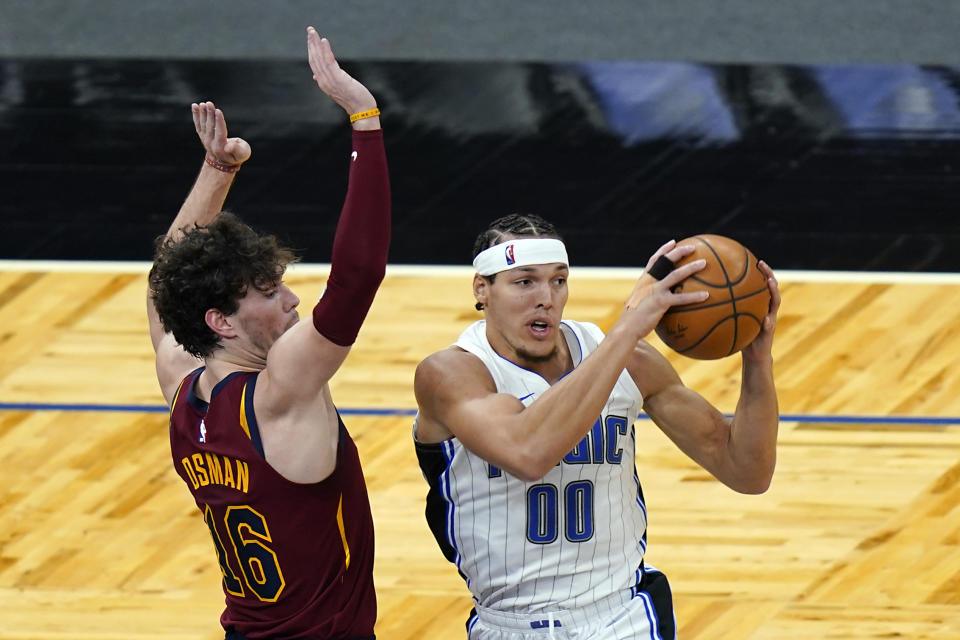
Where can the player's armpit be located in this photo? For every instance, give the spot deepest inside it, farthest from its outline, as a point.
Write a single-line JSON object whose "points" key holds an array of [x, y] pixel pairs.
{"points": [[299, 365]]}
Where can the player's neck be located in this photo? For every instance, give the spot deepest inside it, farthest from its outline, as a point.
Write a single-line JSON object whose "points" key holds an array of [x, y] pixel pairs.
{"points": [[219, 365]]}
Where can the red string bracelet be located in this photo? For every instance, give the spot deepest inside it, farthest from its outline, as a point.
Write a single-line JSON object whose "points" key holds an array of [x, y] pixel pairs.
{"points": [[219, 166]]}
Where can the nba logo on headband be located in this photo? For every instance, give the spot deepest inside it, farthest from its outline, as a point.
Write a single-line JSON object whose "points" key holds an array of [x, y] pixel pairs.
{"points": [[520, 252]]}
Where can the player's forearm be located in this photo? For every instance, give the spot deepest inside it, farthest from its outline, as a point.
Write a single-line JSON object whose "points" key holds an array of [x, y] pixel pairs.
{"points": [[753, 432], [205, 199], [201, 206], [360, 247], [560, 418]]}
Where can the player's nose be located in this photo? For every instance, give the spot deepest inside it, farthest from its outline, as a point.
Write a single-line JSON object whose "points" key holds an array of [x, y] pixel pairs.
{"points": [[291, 298], [544, 296]]}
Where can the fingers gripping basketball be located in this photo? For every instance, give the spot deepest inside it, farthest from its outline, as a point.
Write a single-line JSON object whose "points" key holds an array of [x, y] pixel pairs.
{"points": [[732, 316]]}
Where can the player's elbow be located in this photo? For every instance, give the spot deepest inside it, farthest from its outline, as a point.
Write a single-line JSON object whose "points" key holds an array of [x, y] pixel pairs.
{"points": [[758, 480], [531, 464], [531, 474], [528, 474], [754, 487], [368, 275], [359, 278], [523, 462]]}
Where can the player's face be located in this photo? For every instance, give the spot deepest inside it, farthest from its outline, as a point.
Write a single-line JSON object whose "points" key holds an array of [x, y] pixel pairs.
{"points": [[523, 310], [264, 316]]}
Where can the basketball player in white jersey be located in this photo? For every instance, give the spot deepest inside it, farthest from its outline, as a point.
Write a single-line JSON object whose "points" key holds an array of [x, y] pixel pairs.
{"points": [[525, 435]]}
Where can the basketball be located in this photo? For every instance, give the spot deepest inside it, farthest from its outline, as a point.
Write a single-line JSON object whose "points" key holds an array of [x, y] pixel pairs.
{"points": [[732, 316]]}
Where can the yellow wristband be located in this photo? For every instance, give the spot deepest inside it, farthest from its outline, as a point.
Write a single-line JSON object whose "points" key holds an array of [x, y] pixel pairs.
{"points": [[364, 114]]}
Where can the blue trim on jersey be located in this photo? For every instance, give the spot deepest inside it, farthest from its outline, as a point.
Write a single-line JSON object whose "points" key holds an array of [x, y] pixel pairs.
{"points": [[636, 479], [651, 612], [636, 476], [576, 364], [220, 385], [579, 346], [472, 621], [192, 398], [251, 414], [448, 454], [196, 401], [514, 364]]}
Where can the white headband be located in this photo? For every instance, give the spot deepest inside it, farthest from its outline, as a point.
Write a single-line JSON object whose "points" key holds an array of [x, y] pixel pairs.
{"points": [[520, 252]]}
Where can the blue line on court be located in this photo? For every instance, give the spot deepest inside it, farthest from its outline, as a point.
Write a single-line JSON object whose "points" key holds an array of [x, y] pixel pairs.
{"points": [[795, 417], [880, 420], [117, 408], [144, 408]]}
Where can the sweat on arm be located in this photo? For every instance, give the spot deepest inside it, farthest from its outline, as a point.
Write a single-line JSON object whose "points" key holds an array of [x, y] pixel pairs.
{"points": [[360, 246]]}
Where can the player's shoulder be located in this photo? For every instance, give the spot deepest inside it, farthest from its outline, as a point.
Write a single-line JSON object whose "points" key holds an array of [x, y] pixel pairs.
{"points": [[451, 368], [583, 325], [453, 360], [585, 328], [173, 364]]}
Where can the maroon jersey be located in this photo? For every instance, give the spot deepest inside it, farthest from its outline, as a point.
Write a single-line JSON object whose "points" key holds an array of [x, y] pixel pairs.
{"points": [[297, 559]]}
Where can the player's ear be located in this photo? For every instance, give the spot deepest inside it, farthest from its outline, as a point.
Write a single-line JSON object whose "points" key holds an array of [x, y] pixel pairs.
{"points": [[219, 323], [480, 285]]}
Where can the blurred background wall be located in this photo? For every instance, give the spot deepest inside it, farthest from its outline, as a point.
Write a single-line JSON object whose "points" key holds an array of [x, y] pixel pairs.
{"points": [[824, 135], [780, 31]]}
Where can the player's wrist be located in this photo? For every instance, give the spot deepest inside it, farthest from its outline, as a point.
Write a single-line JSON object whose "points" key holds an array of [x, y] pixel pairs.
{"points": [[362, 114], [365, 119], [633, 324], [225, 167], [756, 357]]}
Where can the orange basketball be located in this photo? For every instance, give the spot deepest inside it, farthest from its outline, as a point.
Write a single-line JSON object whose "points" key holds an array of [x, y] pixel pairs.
{"points": [[732, 316]]}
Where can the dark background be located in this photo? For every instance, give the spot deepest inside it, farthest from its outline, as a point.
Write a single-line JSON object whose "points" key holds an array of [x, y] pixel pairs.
{"points": [[822, 137]]}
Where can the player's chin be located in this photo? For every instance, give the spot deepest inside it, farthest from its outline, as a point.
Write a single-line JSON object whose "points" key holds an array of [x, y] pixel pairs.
{"points": [[537, 351]]}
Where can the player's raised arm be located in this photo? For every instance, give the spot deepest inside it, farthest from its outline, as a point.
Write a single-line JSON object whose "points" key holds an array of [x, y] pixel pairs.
{"points": [[303, 360], [224, 156]]}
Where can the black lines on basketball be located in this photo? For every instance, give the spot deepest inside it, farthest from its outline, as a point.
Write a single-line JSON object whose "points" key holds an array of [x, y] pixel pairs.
{"points": [[732, 316]]}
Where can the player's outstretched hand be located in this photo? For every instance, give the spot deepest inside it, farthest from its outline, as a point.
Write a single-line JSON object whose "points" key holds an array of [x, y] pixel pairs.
{"points": [[342, 88], [212, 129]]}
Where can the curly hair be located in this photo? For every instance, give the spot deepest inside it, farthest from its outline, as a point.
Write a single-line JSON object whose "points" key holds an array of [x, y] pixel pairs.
{"points": [[515, 225], [211, 267]]}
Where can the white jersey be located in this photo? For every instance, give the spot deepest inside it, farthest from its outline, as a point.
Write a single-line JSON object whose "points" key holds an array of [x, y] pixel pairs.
{"points": [[569, 540]]}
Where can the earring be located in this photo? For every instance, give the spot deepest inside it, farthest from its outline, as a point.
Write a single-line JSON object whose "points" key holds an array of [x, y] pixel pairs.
{"points": [[479, 306]]}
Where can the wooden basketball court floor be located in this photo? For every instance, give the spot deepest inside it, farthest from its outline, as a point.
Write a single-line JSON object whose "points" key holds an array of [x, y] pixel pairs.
{"points": [[858, 537]]}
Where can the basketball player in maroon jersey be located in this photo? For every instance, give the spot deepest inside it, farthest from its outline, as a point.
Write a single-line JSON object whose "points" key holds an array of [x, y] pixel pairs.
{"points": [[254, 431]]}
